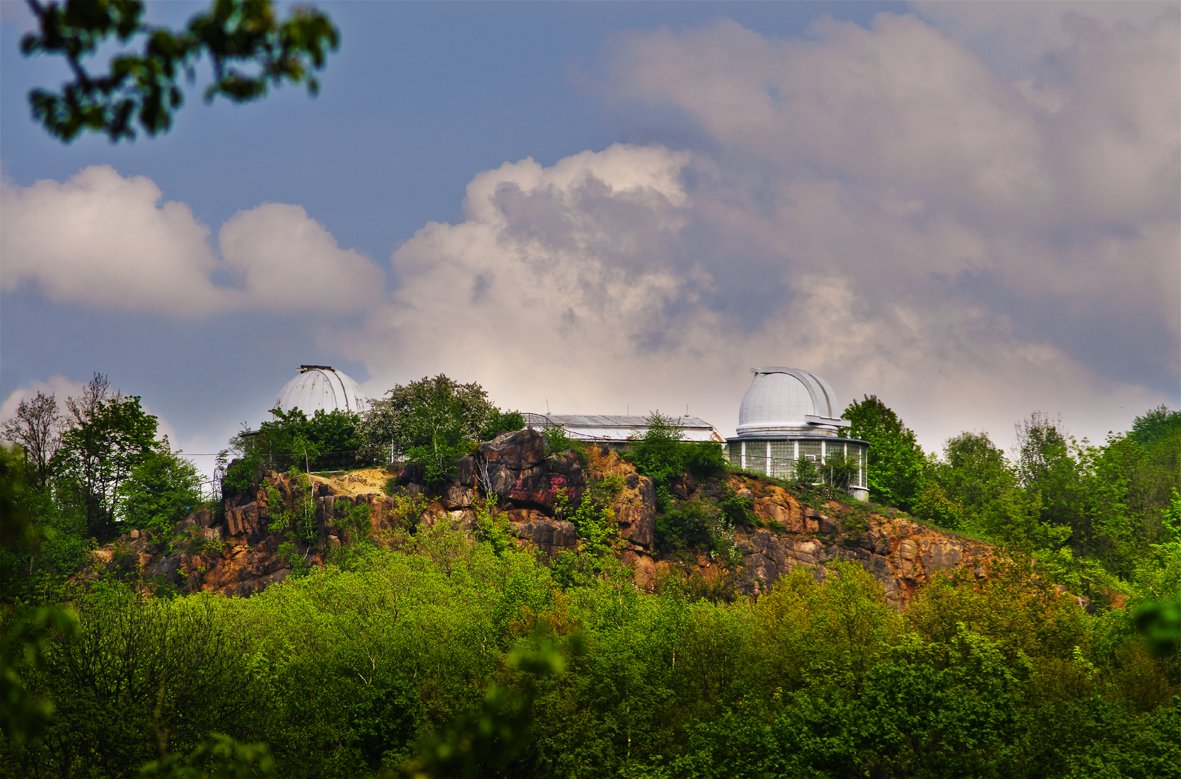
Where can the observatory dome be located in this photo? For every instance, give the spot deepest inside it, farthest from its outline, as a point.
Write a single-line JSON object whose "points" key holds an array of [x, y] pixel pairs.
{"points": [[321, 388], [787, 400]]}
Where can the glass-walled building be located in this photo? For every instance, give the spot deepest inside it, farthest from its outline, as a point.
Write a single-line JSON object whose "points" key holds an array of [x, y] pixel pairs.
{"points": [[789, 414]]}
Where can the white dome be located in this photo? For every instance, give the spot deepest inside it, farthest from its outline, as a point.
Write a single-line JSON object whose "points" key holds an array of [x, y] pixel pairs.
{"points": [[783, 399], [321, 388]]}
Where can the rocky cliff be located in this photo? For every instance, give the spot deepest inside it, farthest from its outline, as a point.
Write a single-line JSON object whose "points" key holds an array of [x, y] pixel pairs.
{"points": [[263, 534]]}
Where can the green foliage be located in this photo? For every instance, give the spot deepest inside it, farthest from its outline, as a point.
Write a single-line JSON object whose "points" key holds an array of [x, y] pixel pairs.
{"points": [[109, 437], [492, 527], [218, 756], [326, 440], [691, 526], [805, 475], [249, 48], [242, 474], [703, 459], [501, 422], [660, 453], [594, 519], [738, 510], [557, 442], [24, 645], [978, 491], [161, 491], [137, 679], [353, 519], [431, 422], [36, 427], [895, 461], [837, 473], [488, 739]]}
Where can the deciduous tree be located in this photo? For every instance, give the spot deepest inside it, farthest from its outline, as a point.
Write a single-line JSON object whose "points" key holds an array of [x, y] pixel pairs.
{"points": [[37, 427], [249, 48], [895, 463], [110, 435], [432, 422]]}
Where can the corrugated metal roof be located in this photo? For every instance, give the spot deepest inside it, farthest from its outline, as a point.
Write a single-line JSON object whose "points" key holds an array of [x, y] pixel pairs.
{"points": [[619, 427]]}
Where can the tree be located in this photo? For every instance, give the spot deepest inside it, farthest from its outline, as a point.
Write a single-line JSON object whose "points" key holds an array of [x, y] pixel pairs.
{"points": [[161, 491], [250, 50], [37, 427], [432, 422], [1046, 469], [326, 439], [660, 454], [895, 463], [978, 489], [109, 437]]}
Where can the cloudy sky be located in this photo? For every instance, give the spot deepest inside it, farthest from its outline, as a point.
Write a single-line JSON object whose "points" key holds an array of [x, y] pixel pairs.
{"points": [[971, 211]]}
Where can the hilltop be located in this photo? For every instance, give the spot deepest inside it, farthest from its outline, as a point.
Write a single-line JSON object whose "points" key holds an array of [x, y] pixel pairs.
{"points": [[287, 522]]}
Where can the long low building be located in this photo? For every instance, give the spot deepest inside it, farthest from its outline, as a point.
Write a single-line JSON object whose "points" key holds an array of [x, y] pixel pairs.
{"points": [[619, 430]]}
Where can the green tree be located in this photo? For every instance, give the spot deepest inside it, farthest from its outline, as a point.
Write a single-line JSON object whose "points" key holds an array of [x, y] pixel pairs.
{"points": [[37, 427], [110, 435], [326, 439], [161, 491], [895, 463], [1047, 470], [660, 454], [250, 50], [978, 487], [432, 422]]}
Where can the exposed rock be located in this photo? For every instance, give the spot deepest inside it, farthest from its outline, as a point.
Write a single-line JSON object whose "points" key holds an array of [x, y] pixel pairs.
{"points": [[238, 552], [898, 552], [550, 536]]}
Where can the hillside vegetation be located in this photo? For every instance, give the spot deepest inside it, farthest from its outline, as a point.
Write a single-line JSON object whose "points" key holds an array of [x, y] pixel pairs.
{"points": [[523, 607]]}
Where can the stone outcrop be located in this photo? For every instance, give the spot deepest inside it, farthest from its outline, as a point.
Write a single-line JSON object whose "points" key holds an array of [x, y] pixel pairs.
{"points": [[900, 553], [252, 544]]}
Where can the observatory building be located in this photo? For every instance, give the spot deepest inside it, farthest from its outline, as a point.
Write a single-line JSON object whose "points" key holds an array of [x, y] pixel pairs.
{"points": [[788, 414], [321, 388]]}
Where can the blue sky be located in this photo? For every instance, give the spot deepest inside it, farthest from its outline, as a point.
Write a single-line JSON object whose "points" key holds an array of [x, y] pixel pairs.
{"points": [[968, 210]]}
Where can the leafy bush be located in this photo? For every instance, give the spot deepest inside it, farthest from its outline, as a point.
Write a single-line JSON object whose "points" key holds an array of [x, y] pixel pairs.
{"points": [[242, 474], [696, 526], [704, 459], [326, 440], [557, 441], [739, 510], [501, 422], [432, 422], [161, 491]]}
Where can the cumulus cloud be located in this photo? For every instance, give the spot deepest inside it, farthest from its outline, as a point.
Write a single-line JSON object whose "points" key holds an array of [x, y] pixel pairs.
{"points": [[882, 205], [113, 242], [288, 262]]}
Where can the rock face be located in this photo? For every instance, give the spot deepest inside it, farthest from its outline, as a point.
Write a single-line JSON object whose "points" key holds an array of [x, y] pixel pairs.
{"points": [[263, 534], [900, 553]]}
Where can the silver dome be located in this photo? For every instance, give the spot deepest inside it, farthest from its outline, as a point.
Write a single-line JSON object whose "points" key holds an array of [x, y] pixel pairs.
{"points": [[787, 400], [321, 388]]}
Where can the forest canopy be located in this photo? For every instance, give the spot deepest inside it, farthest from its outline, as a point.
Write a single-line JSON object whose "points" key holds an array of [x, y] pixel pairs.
{"points": [[453, 651]]}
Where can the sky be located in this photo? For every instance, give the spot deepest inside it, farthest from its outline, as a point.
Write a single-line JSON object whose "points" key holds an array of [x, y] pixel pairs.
{"points": [[971, 211]]}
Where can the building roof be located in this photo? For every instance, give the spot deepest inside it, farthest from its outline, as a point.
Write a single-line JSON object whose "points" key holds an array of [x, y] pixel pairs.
{"points": [[788, 400], [619, 427], [321, 388]]}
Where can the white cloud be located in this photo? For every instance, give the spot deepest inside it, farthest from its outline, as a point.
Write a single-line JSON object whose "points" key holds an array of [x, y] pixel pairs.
{"points": [[880, 205], [112, 242], [107, 241], [289, 262], [58, 386]]}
